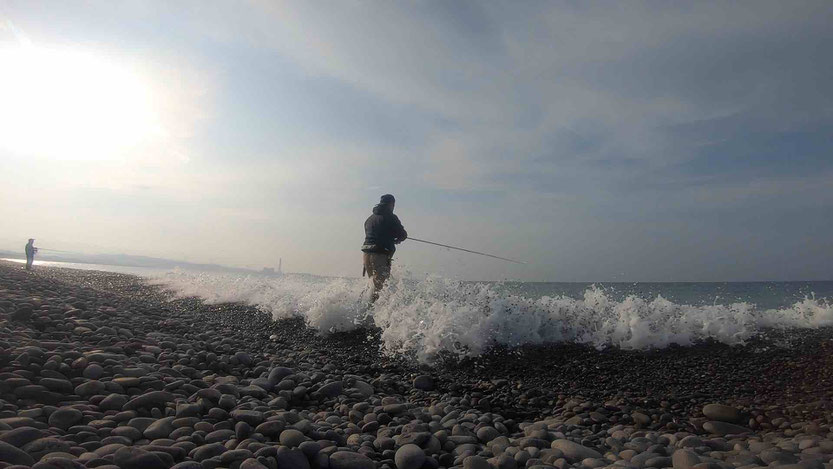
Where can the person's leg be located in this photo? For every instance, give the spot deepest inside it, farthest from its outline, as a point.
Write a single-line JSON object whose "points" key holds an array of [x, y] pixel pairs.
{"points": [[383, 268], [29, 261], [377, 266], [370, 270], [381, 272]]}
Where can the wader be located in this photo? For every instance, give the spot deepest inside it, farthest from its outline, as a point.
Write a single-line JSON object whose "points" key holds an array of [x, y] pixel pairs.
{"points": [[377, 268]]}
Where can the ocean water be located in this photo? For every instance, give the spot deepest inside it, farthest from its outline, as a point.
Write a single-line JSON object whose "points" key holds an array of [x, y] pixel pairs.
{"points": [[426, 316], [121, 269], [767, 295]]}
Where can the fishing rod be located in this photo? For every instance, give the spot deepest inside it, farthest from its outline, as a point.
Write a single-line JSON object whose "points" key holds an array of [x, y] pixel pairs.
{"points": [[465, 250], [53, 250]]}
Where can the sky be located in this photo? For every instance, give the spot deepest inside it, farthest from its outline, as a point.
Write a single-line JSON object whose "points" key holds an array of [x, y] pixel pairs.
{"points": [[598, 141]]}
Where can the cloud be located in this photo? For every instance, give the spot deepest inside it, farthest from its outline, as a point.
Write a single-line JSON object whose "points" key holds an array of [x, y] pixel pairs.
{"points": [[566, 102]]}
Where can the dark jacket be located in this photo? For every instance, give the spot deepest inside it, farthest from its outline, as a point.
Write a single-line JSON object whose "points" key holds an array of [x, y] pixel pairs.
{"points": [[383, 230], [30, 250]]}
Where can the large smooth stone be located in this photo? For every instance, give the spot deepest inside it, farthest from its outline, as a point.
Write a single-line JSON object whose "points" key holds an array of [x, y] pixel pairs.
{"points": [[244, 358], [113, 402], [93, 371], [395, 409], [722, 413], [90, 388], [332, 389], [263, 383], [350, 460], [476, 462], [151, 399], [58, 385], [63, 456], [141, 423], [137, 458], [424, 383], [208, 451], [278, 373], [409, 457], [252, 417], [65, 417], [18, 437], [271, 428], [723, 428], [218, 436], [189, 465], [232, 455], [684, 459], [160, 428], [293, 458], [42, 446], [250, 463], [108, 449], [574, 451], [365, 389], [416, 438], [12, 455], [487, 434], [292, 438]]}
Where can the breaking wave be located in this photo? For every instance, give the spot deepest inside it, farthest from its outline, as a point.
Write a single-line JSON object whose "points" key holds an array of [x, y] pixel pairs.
{"points": [[433, 314]]}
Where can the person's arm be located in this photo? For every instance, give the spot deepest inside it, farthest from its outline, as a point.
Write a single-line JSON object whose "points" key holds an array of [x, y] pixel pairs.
{"points": [[399, 231]]}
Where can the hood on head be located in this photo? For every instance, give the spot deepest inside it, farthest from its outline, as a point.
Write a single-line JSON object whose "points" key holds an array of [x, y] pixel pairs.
{"points": [[382, 209]]}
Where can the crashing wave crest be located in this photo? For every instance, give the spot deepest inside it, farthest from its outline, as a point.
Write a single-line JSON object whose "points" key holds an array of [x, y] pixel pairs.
{"points": [[432, 315]]}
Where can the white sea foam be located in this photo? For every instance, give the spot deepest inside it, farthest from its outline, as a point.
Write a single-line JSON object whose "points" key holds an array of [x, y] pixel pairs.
{"points": [[431, 315]]}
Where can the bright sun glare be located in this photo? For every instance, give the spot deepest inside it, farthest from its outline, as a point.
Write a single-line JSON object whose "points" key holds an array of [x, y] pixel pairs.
{"points": [[72, 105]]}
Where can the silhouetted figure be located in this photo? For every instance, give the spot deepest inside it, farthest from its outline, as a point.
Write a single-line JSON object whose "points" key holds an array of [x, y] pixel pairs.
{"points": [[382, 231], [31, 250]]}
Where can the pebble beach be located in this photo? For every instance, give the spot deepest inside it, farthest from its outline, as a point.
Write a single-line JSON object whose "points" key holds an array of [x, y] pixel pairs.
{"points": [[104, 370]]}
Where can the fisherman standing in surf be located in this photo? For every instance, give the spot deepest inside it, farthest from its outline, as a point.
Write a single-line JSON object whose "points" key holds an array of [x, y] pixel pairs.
{"points": [[383, 231], [30, 253]]}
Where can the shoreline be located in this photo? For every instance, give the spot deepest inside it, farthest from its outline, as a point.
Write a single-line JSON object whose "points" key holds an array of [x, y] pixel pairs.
{"points": [[58, 323]]}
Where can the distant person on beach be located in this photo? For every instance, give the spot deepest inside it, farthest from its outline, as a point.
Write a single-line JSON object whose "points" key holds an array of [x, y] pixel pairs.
{"points": [[383, 231], [30, 253]]}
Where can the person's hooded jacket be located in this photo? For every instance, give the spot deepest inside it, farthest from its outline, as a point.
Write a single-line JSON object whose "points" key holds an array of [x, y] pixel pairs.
{"points": [[383, 230]]}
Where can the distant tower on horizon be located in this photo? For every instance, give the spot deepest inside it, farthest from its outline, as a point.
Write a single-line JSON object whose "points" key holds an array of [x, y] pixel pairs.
{"points": [[271, 270]]}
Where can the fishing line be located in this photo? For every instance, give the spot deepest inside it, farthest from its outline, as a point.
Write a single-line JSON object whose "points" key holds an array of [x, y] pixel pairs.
{"points": [[466, 250]]}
